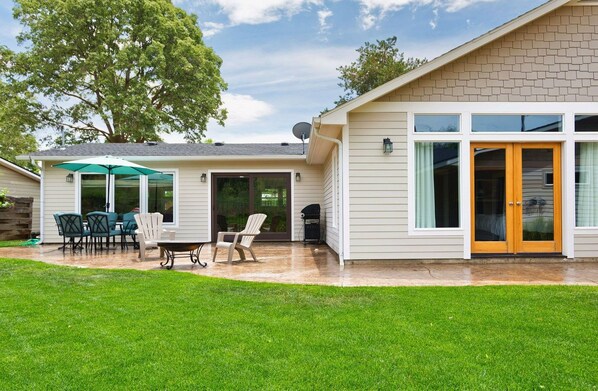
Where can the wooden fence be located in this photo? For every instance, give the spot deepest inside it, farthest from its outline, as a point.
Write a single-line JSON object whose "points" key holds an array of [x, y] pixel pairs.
{"points": [[15, 222]]}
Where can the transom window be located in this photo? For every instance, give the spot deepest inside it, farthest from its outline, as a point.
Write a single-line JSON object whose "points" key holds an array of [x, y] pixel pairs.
{"points": [[506, 123], [436, 123], [586, 123]]}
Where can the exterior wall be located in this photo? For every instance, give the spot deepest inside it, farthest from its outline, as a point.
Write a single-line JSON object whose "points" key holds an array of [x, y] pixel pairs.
{"points": [[193, 195], [378, 194], [586, 245], [552, 59], [22, 186], [330, 189]]}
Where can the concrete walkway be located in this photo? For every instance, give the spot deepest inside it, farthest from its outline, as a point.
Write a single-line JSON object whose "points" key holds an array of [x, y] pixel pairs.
{"points": [[316, 264]]}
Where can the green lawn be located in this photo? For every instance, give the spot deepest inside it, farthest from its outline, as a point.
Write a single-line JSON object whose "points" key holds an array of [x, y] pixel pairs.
{"points": [[11, 243], [69, 328]]}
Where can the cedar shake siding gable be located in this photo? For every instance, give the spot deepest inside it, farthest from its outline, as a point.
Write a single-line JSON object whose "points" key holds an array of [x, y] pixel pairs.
{"points": [[552, 59]]}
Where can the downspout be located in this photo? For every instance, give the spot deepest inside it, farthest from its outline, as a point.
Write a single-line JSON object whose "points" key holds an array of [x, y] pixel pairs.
{"points": [[341, 224]]}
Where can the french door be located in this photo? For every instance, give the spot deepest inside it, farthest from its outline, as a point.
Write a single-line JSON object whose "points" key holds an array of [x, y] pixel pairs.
{"points": [[236, 196], [516, 198]]}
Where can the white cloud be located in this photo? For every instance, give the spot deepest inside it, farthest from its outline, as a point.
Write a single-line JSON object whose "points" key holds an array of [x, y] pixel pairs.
{"points": [[262, 11], [373, 11], [244, 109], [323, 16], [211, 28], [434, 20]]}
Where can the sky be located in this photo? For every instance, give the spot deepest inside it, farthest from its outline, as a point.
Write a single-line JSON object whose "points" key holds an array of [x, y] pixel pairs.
{"points": [[280, 57]]}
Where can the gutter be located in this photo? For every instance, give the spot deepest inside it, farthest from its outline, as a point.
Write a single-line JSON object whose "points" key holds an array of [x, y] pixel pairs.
{"points": [[316, 123]]}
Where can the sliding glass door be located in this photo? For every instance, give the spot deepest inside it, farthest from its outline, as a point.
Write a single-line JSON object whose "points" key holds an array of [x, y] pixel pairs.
{"points": [[236, 196]]}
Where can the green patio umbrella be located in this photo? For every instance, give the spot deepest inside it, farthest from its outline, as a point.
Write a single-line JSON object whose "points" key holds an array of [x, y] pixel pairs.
{"points": [[106, 165]]}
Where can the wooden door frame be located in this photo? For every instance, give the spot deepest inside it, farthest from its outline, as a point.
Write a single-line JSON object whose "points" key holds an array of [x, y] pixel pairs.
{"points": [[553, 246], [493, 247], [514, 243]]}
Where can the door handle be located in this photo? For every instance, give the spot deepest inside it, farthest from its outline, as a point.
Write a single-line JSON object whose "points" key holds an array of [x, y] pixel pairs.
{"points": [[510, 203], [518, 203]]}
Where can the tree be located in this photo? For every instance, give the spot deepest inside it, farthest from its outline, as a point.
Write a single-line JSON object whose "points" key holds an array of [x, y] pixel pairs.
{"points": [[377, 64], [122, 70], [18, 121]]}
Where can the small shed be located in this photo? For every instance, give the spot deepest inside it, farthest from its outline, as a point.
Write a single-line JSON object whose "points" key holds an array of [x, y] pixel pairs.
{"points": [[20, 182]]}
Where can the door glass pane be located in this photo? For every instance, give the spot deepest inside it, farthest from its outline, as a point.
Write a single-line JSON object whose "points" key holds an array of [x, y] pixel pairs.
{"points": [[490, 193], [93, 193], [232, 203], [126, 194], [160, 195], [270, 197], [537, 194]]}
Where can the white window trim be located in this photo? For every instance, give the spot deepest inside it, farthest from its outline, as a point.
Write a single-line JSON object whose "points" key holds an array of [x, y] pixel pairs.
{"points": [[412, 138], [567, 137], [175, 186], [143, 193]]}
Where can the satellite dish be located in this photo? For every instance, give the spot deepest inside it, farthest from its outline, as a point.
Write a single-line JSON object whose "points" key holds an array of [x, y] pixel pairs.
{"points": [[301, 130]]}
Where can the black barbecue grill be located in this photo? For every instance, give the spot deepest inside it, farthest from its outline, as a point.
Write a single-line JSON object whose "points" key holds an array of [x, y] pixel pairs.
{"points": [[311, 223]]}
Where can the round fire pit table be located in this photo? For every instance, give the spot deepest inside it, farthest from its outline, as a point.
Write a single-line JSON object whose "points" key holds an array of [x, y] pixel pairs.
{"points": [[172, 247]]}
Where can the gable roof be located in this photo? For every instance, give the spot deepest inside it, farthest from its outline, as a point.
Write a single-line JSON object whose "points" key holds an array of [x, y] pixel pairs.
{"points": [[20, 170], [182, 151], [338, 115]]}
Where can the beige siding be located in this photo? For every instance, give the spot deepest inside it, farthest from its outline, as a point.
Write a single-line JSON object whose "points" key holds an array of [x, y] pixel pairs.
{"points": [[193, 195], [586, 246], [378, 194], [552, 59], [19, 185], [331, 190]]}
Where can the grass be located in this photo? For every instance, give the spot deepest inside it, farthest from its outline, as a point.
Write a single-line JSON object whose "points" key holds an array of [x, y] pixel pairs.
{"points": [[69, 328], [11, 243]]}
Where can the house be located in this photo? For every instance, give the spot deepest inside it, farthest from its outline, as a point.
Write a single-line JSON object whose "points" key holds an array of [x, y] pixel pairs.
{"points": [[202, 188], [21, 182], [495, 147], [491, 148]]}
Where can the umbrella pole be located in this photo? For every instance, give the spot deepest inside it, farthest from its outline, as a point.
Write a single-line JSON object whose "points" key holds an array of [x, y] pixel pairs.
{"points": [[108, 192]]}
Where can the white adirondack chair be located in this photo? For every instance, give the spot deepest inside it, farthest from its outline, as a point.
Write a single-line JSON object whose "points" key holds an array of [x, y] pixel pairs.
{"points": [[242, 240], [150, 232]]}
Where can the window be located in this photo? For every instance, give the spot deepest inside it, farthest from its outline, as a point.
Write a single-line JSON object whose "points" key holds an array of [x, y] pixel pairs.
{"points": [[160, 195], [586, 186], [436, 123], [126, 194], [516, 123], [93, 193], [586, 123], [436, 185]]}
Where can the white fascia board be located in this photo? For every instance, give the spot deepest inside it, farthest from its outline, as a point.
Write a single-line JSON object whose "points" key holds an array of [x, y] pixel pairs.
{"points": [[20, 170], [182, 158], [338, 115]]}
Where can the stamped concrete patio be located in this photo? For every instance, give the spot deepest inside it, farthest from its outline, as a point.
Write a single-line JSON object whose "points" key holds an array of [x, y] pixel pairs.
{"points": [[297, 263]]}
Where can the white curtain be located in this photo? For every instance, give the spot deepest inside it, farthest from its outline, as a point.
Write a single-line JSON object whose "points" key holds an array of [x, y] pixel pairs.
{"points": [[425, 210], [587, 193]]}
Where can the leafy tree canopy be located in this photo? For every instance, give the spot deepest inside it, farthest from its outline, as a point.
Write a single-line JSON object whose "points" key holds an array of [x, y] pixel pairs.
{"points": [[377, 64], [122, 70], [18, 121]]}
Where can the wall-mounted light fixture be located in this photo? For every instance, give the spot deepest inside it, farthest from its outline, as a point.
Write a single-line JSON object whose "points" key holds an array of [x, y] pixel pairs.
{"points": [[387, 146], [203, 178], [297, 177], [69, 178]]}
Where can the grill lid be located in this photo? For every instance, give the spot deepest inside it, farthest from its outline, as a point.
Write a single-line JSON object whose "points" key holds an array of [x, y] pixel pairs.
{"points": [[311, 211]]}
